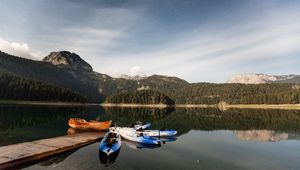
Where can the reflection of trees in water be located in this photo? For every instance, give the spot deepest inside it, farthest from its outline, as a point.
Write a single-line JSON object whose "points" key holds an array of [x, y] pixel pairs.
{"points": [[185, 119], [12, 116], [127, 116], [19, 123]]}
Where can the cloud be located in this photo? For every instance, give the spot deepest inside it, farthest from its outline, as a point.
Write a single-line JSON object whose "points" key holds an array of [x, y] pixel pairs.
{"points": [[214, 53], [19, 49], [136, 70]]}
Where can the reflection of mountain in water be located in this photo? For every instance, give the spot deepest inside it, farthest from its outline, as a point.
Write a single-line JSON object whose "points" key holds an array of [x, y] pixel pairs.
{"points": [[261, 135]]}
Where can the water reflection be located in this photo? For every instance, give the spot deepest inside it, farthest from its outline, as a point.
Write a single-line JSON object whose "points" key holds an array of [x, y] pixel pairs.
{"points": [[108, 160], [54, 161], [134, 145], [261, 135], [20, 123]]}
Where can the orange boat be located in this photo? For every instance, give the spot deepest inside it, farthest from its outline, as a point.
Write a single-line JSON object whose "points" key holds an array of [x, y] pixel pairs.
{"points": [[81, 124]]}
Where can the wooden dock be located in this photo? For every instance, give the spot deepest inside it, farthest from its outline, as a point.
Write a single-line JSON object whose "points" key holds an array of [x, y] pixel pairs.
{"points": [[18, 155]]}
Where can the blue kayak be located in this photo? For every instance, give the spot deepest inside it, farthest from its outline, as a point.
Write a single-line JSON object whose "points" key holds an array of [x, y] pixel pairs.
{"points": [[111, 142]]}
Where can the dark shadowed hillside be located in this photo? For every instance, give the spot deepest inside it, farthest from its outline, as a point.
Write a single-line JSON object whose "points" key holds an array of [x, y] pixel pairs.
{"points": [[18, 88]]}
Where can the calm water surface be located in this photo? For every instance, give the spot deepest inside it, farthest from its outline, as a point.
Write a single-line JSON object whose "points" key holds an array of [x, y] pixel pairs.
{"points": [[207, 138]]}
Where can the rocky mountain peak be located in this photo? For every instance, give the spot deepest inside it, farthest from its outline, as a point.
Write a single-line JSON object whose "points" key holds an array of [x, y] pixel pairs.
{"points": [[68, 59], [259, 78], [135, 77]]}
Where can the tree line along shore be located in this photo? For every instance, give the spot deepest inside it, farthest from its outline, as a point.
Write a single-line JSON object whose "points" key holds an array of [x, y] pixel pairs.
{"points": [[17, 89]]}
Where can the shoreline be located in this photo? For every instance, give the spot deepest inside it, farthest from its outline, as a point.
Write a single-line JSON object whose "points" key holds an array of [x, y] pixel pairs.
{"points": [[46, 103], [224, 107], [265, 106]]}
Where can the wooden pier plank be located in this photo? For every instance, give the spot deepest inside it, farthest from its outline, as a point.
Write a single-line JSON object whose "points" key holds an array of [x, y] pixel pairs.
{"points": [[24, 153]]}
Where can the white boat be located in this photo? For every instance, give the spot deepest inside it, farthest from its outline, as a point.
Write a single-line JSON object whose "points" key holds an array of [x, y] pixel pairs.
{"points": [[158, 133], [132, 135]]}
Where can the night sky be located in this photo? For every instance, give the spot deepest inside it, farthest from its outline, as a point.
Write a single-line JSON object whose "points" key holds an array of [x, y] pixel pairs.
{"points": [[197, 40]]}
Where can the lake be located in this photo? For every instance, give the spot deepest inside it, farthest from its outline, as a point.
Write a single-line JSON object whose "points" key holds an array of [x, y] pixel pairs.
{"points": [[207, 138]]}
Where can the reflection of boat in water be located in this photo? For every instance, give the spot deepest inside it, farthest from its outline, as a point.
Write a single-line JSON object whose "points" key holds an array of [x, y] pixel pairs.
{"points": [[108, 160], [111, 142], [81, 124], [261, 135], [72, 131], [167, 139], [135, 145]]}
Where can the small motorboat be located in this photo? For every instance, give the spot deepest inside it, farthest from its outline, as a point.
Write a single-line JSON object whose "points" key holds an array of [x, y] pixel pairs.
{"points": [[111, 142], [158, 133], [81, 124], [132, 135]]}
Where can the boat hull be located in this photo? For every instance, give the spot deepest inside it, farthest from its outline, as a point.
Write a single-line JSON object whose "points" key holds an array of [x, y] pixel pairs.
{"points": [[81, 124], [110, 143], [157, 133], [131, 135]]}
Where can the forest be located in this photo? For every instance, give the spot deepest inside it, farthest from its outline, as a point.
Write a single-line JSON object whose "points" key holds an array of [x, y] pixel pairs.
{"points": [[209, 93], [141, 97], [14, 87]]}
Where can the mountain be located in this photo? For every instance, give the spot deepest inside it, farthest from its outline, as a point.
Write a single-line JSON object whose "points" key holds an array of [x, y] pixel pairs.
{"points": [[263, 78], [67, 59], [136, 77], [84, 81], [69, 70]]}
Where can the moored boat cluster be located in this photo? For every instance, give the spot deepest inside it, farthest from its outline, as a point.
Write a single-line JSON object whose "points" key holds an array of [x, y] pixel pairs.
{"points": [[111, 142]]}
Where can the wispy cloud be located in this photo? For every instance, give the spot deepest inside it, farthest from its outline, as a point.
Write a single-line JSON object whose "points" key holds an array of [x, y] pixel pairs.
{"points": [[197, 41], [215, 55], [19, 49]]}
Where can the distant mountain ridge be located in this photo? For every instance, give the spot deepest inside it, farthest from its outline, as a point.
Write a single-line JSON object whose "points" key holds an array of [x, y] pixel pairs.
{"points": [[69, 70], [263, 78]]}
